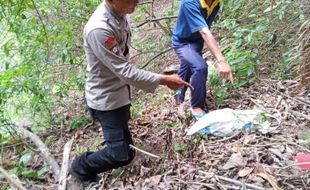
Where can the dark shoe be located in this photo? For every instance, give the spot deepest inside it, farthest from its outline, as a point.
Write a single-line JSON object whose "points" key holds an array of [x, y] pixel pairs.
{"points": [[86, 182]]}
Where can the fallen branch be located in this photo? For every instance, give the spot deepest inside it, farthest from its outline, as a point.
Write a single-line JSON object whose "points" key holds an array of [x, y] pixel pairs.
{"points": [[161, 53], [239, 183], [299, 146], [156, 20], [292, 165], [11, 180], [283, 94], [208, 185], [142, 52], [165, 29], [145, 2], [307, 117], [228, 138], [270, 179], [47, 156], [65, 165]]}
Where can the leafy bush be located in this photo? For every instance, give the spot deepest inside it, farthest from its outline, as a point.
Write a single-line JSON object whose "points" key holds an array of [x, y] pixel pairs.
{"points": [[266, 40]]}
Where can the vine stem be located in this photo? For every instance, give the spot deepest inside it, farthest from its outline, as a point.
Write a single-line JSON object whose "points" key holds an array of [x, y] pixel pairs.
{"points": [[44, 30]]}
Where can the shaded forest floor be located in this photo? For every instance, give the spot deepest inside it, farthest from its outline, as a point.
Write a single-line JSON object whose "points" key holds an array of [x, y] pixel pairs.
{"points": [[245, 160], [242, 161], [197, 162]]}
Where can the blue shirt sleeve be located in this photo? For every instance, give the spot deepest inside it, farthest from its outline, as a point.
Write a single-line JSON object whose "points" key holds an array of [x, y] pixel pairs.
{"points": [[193, 17]]}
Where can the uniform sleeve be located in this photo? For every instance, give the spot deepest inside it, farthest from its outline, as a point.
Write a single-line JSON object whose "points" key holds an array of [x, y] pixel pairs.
{"points": [[193, 17], [105, 47]]}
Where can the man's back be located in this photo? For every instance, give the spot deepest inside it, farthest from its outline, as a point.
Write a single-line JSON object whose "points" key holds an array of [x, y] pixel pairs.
{"points": [[193, 16]]}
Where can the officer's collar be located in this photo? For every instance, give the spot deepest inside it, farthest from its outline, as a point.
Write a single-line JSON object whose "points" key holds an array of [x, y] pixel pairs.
{"points": [[210, 9]]}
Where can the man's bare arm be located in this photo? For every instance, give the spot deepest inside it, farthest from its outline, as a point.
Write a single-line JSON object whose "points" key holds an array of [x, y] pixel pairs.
{"points": [[223, 67]]}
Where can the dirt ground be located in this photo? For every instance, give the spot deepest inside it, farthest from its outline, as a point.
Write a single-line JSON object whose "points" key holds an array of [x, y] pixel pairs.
{"points": [[243, 161], [246, 160]]}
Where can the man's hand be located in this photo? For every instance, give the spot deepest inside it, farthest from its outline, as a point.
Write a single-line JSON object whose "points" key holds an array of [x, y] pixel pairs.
{"points": [[224, 70], [173, 82], [223, 67]]}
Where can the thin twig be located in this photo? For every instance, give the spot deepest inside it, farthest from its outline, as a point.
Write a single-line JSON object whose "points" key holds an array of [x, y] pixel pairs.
{"points": [[307, 117], [301, 147], [161, 53], [228, 138], [145, 2], [44, 30], [155, 20], [166, 30], [11, 180], [144, 152], [116, 178], [209, 185], [295, 164], [283, 94], [231, 180]]}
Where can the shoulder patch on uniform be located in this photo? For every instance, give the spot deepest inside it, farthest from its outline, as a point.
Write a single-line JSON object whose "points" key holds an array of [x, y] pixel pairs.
{"points": [[110, 42]]}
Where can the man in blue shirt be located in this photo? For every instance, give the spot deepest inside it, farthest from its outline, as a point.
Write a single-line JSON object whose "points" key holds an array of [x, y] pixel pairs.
{"points": [[191, 31]]}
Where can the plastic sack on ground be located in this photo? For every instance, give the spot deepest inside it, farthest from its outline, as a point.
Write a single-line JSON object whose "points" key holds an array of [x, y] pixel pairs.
{"points": [[226, 122]]}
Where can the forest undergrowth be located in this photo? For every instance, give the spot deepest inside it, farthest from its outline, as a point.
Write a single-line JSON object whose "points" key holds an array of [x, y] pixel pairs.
{"points": [[42, 81]]}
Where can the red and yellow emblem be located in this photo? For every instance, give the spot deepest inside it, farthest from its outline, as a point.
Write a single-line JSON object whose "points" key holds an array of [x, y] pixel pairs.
{"points": [[110, 42]]}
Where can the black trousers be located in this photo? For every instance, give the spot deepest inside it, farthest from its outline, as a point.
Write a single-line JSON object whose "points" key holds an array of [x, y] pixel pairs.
{"points": [[116, 151]]}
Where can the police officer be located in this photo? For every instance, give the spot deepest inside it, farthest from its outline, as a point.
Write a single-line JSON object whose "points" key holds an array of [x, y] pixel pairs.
{"points": [[109, 74], [191, 31]]}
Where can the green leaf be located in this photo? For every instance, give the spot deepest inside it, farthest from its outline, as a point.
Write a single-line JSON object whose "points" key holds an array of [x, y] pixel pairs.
{"points": [[17, 170], [79, 122], [25, 158], [30, 173], [178, 147], [43, 171]]}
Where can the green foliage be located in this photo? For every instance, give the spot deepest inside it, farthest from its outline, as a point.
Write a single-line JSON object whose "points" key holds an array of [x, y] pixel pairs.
{"points": [[146, 44], [171, 124], [200, 137], [259, 122], [254, 40], [141, 10], [159, 98], [40, 56], [80, 150], [136, 108], [178, 147], [305, 137], [79, 122], [21, 168], [25, 158], [41, 61], [50, 139], [169, 22]]}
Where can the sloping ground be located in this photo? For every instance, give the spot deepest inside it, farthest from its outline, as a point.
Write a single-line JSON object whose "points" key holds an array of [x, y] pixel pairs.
{"points": [[243, 161], [250, 160], [304, 37], [253, 160]]}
